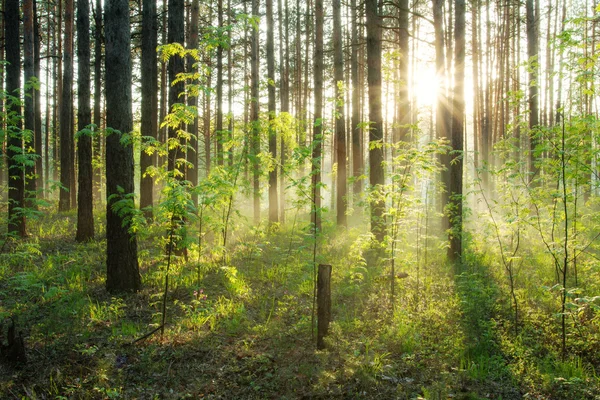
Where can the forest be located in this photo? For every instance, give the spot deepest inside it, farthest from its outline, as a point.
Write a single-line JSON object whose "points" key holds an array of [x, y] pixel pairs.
{"points": [[318, 199]]}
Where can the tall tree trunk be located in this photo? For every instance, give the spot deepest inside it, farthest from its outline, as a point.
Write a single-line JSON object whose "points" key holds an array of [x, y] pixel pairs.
{"points": [[98, 100], [16, 173], [39, 161], [532, 54], [192, 173], [66, 114], [175, 35], [340, 123], [29, 95], [442, 116], [376, 177], [273, 195], [357, 151], [85, 201], [149, 82], [122, 270], [317, 142], [284, 70], [219, 90], [403, 99], [254, 115], [458, 118]]}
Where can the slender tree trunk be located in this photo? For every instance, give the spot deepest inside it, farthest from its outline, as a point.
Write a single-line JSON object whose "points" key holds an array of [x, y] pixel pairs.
{"points": [[284, 93], [340, 123], [39, 161], [254, 115], [175, 35], [66, 113], [192, 173], [273, 195], [16, 173], [29, 96], [98, 100], [85, 201], [219, 90], [403, 100], [458, 118], [532, 54], [357, 151], [374, 80], [122, 270], [149, 83], [317, 142]]}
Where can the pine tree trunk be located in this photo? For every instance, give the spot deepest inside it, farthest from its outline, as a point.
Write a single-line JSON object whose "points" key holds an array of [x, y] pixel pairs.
{"points": [[29, 96], [85, 200], [317, 141], [122, 270], [254, 115], [149, 126], [273, 195], [192, 173], [16, 177], [357, 151], [66, 114], [98, 139], [340, 123]]}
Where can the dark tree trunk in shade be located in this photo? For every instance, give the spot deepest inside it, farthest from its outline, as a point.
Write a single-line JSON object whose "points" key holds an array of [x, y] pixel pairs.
{"points": [[37, 70], [357, 151], [122, 270], [317, 142], [340, 123], [66, 114], [254, 115], [376, 177], [16, 177], [29, 99], [149, 123], [85, 200], [273, 195], [192, 155], [175, 34], [98, 100], [458, 118]]}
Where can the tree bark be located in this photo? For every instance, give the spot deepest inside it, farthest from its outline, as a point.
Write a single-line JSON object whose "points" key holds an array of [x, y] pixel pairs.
{"points": [[376, 175], [98, 139], [85, 200], [357, 151], [149, 126], [254, 115], [532, 54], [317, 142], [29, 96], [192, 173], [66, 114], [16, 176], [122, 270], [273, 195], [340, 123]]}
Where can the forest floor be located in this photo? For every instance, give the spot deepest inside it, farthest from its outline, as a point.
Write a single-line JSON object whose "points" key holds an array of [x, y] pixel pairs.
{"points": [[239, 327]]}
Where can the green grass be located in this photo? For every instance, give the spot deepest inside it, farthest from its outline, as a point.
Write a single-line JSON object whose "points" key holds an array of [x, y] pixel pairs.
{"points": [[240, 327]]}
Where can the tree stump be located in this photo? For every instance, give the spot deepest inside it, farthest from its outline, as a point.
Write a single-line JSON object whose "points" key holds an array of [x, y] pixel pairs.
{"points": [[323, 303]]}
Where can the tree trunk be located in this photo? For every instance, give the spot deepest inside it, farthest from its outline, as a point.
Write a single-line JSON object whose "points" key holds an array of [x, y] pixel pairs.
{"points": [[16, 177], [175, 35], [192, 173], [317, 141], [39, 161], [284, 92], [532, 54], [403, 100], [254, 115], [29, 96], [458, 118], [85, 200], [149, 69], [376, 177], [273, 195], [98, 139], [340, 123], [219, 90], [357, 151], [66, 114], [122, 270]]}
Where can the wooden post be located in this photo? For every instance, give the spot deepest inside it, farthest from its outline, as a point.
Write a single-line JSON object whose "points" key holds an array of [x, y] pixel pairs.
{"points": [[323, 303]]}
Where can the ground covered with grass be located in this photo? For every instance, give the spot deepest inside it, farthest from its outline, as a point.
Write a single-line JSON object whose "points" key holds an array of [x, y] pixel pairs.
{"points": [[239, 323]]}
